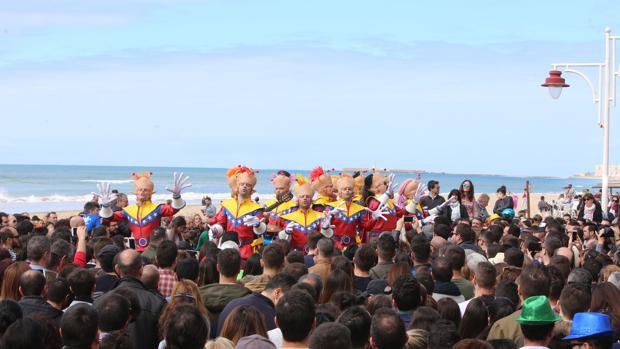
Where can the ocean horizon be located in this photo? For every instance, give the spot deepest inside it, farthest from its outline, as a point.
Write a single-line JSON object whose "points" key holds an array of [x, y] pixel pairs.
{"points": [[41, 188]]}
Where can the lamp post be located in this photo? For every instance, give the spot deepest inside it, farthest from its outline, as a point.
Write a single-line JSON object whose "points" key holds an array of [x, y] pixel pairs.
{"points": [[605, 93]]}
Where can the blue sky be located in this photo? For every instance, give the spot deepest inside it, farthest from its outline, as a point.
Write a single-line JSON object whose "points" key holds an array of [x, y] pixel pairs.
{"points": [[441, 86]]}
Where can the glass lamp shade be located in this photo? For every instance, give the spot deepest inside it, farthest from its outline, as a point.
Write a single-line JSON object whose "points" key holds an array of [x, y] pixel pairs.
{"points": [[555, 91]]}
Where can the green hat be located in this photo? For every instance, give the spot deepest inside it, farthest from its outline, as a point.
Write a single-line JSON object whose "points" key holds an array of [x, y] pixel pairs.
{"points": [[537, 311]]}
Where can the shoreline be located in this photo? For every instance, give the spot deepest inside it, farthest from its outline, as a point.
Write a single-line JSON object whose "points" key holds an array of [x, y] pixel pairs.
{"points": [[192, 209]]}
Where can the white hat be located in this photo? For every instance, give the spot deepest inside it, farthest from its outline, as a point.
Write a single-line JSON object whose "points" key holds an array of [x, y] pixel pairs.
{"points": [[229, 244]]}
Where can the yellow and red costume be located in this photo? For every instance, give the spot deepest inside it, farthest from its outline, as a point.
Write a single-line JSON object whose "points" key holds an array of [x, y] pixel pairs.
{"points": [[322, 184], [232, 214], [347, 223], [145, 217], [306, 222], [284, 208], [297, 224], [374, 227]]}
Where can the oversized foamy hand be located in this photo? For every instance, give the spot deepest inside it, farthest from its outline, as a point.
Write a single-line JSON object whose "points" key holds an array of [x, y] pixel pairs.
{"points": [[391, 186], [429, 219], [180, 183], [290, 227], [329, 214], [105, 194], [419, 193], [251, 221], [380, 212]]}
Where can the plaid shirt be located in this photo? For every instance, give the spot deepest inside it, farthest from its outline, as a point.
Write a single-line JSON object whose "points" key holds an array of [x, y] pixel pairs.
{"points": [[167, 281]]}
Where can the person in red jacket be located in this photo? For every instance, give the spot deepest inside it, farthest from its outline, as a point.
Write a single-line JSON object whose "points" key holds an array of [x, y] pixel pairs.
{"points": [[240, 214], [382, 214], [298, 224], [144, 215], [345, 215]]}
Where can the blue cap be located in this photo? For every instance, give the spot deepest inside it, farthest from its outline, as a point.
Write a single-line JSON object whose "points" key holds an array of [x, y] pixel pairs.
{"points": [[508, 212], [590, 325]]}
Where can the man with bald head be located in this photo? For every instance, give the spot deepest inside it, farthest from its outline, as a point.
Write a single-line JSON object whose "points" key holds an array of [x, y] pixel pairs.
{"points": [[144, 330], [76, 222], [566, 252]]}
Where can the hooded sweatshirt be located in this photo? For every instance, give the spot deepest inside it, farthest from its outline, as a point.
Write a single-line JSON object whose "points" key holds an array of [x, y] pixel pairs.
{"points": [[216, 296]]}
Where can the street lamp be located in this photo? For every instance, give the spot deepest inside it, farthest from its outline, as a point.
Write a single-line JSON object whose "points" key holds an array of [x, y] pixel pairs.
{"points": [[606, 92]]}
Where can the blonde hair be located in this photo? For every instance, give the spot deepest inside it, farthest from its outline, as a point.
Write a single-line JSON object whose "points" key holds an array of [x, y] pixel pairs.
{"points": [[416, 339], [220, 343]]}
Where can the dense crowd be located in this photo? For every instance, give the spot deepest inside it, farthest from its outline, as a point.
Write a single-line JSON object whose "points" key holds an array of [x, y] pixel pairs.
{"points": [[447, 274]]}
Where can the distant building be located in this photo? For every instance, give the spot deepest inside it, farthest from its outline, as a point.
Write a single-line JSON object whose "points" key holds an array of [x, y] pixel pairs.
{"points": [[614, 170]]}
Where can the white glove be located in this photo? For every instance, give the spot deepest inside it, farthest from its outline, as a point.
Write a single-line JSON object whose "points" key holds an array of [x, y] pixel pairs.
{"points": [[180, 183], [329, 214], [391, 187], [283, 235], [251, 221], [105, 194], [378, 213], [290, 227], [429, 219], [419, 193]]}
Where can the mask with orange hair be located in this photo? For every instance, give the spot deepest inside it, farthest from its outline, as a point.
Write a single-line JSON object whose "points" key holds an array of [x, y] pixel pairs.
{"points": [[144, 187], [304, 192], [242, 179], [322, 182]]}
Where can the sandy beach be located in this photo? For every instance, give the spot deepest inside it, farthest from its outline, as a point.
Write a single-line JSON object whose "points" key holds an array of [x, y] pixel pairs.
{"points": [[191, 210]]}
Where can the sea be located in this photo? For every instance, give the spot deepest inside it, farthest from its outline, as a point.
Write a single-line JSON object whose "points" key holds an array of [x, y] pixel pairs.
{"points": [[42, 188]]}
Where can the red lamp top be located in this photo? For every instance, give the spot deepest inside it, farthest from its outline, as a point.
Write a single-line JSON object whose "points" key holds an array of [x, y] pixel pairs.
{"points": [[555, 79]]}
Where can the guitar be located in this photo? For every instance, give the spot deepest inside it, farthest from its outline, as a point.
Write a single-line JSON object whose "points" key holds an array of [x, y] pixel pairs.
{"points": [[285, 198]]}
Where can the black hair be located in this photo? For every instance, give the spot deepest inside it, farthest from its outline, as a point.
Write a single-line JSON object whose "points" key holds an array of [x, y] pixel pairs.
{"points": [[57, 290], [513, 256], [273, 256], [79, 325], [387, 330], [423, 318], [501, 189], [81, 282], [187, 268], [406, 293], [186, 328], [365, 257], [366, 193], [442, 269], [330, 335], [431, 184], [24, 333], [281, 280], [456, 255], [475, 319], [295, 314], [386, 247], [229, 262], [503, 344], [534, 280], [114, 312], [357, 319], [116, 340], [166, 254], [537, 332], [10, 312], [421, 248], [575, 298], [442, 334], [442, 230]]}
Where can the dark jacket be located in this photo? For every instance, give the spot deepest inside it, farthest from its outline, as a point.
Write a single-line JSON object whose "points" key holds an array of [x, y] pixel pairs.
{"points": [[144, 331], [598, 211], [502, 204], [216, 296], [263, 304], [447, 212], [32, 305]]}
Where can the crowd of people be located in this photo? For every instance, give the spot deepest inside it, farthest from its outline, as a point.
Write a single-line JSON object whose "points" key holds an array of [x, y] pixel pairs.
{"points": [[347, 261]]}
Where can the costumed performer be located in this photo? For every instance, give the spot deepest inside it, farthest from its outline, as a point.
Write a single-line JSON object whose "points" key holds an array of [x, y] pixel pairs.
{"points": [[377, 195], [322, 184], [280, 205], [299, 223], [344, 215], [145, 215], [240, 214]]}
